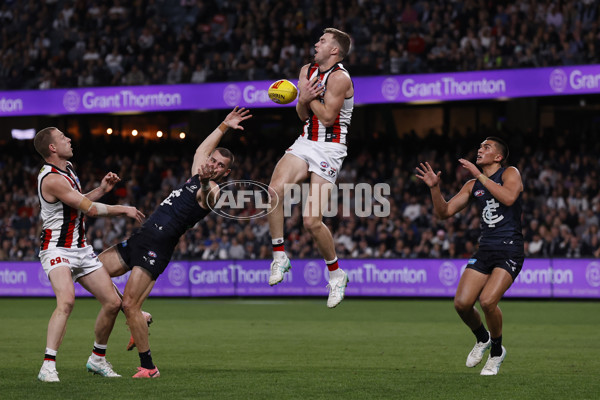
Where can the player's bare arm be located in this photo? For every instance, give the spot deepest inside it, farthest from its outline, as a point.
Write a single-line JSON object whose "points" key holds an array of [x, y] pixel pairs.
{"points": [[443, 209], [339, 86], [232, 121], [303, 96], [508, 192], [108, 183], [57, 188]]}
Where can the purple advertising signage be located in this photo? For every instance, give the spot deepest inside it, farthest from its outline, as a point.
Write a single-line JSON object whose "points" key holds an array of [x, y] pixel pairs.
{"points": [[540, 278], [211, 278], [554, 81], [576, 278], [533, 280], [29, 279], [172, 282], [309, 278]]}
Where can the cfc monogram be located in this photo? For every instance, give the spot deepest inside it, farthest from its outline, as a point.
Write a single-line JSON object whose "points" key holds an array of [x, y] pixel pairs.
{"points": [[489, 213]]}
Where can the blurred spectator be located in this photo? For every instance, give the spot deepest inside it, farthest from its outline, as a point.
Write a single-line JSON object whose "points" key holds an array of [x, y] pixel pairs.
{"points": [[388, 38]]}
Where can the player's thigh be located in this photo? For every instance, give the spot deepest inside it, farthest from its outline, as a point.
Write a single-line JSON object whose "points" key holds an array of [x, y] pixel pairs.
{"points": [[138, 286], [100, 285], [469, 287], [290, 169], [62, 284], [112, 262], [499, 282]]}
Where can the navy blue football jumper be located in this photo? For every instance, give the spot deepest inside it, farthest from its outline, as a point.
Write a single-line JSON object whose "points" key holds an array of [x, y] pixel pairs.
{"points": [[501, 241], [500, 224], [152, 246]]}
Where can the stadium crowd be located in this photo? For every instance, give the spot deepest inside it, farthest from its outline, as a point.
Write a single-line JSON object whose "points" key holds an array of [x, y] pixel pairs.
{"points": [[75, 43], [561, 200]]}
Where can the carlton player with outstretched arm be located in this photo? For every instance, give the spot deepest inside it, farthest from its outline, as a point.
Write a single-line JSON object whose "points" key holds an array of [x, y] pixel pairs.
{"points": [[147, 252], [325, 103], [65, 255], [493, 268]]}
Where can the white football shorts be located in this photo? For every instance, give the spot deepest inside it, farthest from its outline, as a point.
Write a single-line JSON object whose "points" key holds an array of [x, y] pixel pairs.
{"points": [[323, 158], [81, 261]]}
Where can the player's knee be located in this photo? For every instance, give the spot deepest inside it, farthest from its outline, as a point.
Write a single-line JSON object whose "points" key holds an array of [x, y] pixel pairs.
{"points": [[65, 306], [488, 304], [113, 305], [461, 306], [311, 224], [129, 306], [276, 191]]}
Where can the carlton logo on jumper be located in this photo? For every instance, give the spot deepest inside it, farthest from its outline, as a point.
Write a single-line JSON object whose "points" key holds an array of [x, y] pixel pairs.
{"points": [[489, 213], [243, 200]]}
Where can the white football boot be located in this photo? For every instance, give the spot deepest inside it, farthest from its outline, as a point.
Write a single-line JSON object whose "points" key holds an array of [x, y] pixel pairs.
{"points": [[492, 366], [279, 267], [48, 373], [338, 280], [102, 368], [476, 355]]}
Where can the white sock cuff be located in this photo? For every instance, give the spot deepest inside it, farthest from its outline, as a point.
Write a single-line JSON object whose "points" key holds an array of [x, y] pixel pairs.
{"points": [[276, 241], [100, 346], [51, 352], [331, 262]]}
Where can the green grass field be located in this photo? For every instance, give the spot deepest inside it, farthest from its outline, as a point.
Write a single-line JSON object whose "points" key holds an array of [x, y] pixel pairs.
{"points": [[299, 349]]}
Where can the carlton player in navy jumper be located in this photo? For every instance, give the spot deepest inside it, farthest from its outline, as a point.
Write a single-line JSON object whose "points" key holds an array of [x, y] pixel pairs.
{"points": [[148, 251], [65, 254], [325, 104], [498, 261]]}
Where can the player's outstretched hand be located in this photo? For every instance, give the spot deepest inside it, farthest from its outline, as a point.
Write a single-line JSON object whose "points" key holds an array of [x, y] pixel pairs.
{"points": [[109, 181], [134, 213], [428, 175], [206, 172], [472, 168], [235, 117]]}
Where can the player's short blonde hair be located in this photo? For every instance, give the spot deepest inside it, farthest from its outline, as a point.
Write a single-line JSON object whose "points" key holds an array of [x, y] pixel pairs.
{"points": [[42, 140], [343, 40]]}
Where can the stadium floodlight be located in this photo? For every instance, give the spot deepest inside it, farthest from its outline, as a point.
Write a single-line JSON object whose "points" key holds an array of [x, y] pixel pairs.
{"points": [[23, 134]]}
